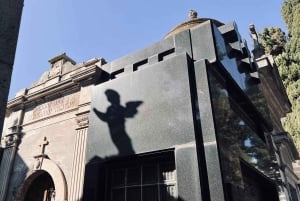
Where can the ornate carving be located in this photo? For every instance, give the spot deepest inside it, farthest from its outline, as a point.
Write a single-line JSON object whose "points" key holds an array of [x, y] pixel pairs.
{"points": [[36, 164], [55, 70], [258, 48], [11, 140], [55, 106], [82, 121], [193, 14], [86, 73]]}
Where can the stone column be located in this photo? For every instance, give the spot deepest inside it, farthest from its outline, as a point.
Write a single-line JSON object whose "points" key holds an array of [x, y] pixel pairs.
{"points": [[77, 178], [10, 142], [10, 149], [86, 78], [10, 17]]}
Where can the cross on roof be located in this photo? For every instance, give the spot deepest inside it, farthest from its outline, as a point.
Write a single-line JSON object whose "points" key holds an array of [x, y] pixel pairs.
{"points": [[43, 144]]}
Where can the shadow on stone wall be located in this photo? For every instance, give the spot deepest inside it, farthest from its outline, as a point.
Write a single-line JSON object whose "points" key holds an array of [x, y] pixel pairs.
{"points": [[115, 117], [96, 185]]}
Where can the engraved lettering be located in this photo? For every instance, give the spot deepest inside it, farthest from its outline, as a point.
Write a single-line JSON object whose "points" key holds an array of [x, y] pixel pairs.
{"points": [[54, 106]]}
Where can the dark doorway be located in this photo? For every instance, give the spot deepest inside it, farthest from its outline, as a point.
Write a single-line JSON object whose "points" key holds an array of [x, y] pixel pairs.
{"points": [[41, 189]]}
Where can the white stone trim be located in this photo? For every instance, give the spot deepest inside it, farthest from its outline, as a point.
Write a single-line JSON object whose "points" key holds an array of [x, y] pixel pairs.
{"points": [[60, 184]]}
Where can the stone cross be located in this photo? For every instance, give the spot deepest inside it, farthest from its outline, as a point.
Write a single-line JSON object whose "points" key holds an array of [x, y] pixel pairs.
{"points": [[43, 144]]}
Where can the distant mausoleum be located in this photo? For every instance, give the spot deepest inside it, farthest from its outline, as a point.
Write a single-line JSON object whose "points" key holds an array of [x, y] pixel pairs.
{"points": [[195, 116]]}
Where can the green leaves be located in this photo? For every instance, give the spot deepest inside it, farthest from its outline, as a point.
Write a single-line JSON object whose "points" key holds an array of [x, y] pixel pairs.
{"points": [[286, 51], [273, 40]]}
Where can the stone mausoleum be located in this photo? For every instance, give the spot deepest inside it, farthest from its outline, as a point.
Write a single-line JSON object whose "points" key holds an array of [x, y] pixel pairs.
{"points": [[195, 116]]}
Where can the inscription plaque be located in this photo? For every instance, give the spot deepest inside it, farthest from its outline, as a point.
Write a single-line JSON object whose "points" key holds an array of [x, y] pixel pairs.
{"points": [[52, 107]]}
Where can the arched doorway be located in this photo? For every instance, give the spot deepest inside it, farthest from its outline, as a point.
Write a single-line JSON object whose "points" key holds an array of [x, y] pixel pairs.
{"points": [[48, 177], [41, 188]]}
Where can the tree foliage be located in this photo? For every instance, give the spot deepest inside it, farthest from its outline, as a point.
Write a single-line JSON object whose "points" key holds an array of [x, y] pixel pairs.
{"points": [[286, 51], [273, 40]]}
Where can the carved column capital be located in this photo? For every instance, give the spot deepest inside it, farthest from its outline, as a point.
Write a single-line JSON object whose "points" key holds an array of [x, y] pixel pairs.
{"points": [[10, 140], [82, 121]]}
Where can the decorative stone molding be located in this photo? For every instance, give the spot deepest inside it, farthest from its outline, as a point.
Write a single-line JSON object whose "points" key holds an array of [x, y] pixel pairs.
{"points": [[17, 101], [285, 139], [63, 75], [93, 61], [85, 73], [78, 166], [9, 144], [82, 121], [58, 177], [10, 140], [55, 70], [62, 57], [15, 128], [36, 165]]}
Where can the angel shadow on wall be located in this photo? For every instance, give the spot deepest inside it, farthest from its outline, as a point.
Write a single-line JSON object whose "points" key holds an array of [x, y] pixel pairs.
{"points": [[115, 117]]}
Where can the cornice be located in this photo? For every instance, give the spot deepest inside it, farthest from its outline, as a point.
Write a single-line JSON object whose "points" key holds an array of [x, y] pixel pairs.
{"points": [[61, 56], [284, 137], [266, 70], [85, 73], [41, 93], [16, 101]]}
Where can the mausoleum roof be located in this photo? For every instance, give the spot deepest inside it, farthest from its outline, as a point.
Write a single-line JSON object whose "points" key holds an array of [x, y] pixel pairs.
{"points": [[192, 22]]}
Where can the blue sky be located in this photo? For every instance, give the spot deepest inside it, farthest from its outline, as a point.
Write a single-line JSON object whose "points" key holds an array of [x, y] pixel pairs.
{"points": [[111, 28]]}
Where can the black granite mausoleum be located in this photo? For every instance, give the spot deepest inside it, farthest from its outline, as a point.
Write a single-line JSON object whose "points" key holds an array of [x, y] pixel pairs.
{"points": [[182, 119]]}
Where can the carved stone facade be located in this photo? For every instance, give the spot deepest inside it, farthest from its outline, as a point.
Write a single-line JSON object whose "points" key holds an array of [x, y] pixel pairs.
{"points": [[45, 132]]}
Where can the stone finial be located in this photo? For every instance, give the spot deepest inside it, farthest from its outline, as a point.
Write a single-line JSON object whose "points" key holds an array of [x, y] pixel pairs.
{"points": [[252, 29], [193, 14], [254, 35], [258, 50]]}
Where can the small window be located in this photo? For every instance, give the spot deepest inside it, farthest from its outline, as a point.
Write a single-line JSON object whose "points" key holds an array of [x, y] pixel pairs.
{"points": [[150, 178]]}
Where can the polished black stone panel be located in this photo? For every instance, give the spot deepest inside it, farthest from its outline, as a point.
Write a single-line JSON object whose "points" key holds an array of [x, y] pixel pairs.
{"points": [[139, 56], [187, 175], [164, 49], [238, 141], [143, 111], [202, 39], [168, 97], [208, 133], [182, 42], [230, 32]]}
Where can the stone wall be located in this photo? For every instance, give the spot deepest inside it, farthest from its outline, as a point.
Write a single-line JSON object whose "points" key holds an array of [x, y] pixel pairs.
{"points": [[10, 17]]}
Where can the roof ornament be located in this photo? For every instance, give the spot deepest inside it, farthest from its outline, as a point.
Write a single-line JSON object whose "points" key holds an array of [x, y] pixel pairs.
{"points": [[254, 35], [258, 50], [193, 14]]}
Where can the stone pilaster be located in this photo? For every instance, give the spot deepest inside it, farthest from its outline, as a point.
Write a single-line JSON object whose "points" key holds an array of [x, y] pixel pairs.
{"points": [[10, 17], [77, 178], [10, 142]]}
